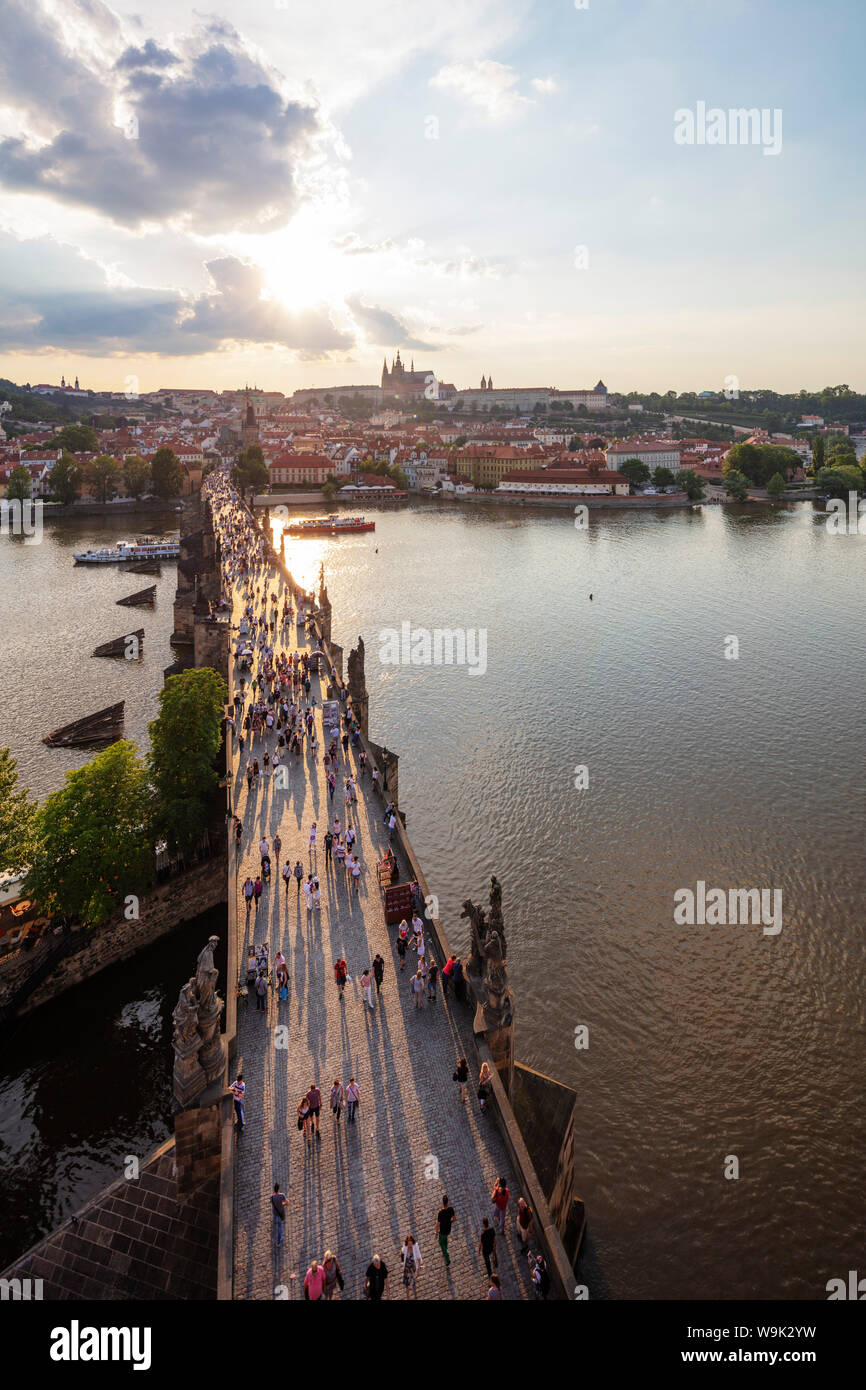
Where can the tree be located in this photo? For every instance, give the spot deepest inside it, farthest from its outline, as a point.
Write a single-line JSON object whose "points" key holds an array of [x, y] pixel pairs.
{"points": [[167, 474], [136, 475], [103, 475], [184, 741], [689, 483], [251, 470], [776, 486], [818, 451], [16, 818], [64, 480], [839, 480], [91, 848], [840, 450], [736, 484], [77, 439], [329, 490], [574, 444], [663, 477], [635, 471], [20, 484]]}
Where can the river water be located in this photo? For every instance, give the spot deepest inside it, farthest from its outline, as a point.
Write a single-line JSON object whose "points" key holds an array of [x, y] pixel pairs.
{"points": [[705, 1043]]}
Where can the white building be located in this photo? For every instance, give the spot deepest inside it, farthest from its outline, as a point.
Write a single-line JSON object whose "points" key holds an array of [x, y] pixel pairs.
{"points": [[664, 453]]}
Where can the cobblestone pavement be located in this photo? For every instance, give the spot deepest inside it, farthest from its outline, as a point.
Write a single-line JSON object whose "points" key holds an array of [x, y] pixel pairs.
{"points": [[360, 1188]]}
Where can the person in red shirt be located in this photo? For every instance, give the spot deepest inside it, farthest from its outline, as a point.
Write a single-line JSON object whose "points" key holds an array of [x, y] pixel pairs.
{"points": [[314, 1283], [500, 1197], [447, 971], [340, 973]]}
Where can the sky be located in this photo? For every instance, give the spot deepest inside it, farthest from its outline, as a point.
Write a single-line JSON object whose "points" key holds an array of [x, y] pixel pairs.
{"points": [[546, 191]]}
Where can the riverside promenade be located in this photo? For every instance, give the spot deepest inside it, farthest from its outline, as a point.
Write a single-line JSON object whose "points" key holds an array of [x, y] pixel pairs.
{"points": [[362, 1187]]}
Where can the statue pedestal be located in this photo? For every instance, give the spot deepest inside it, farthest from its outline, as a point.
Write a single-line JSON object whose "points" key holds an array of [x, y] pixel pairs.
{"points": [[188, 1079]]}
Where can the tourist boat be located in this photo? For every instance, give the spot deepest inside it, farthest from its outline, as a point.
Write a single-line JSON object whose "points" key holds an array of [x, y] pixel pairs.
{"points": [[327, 525], [145, 548]]}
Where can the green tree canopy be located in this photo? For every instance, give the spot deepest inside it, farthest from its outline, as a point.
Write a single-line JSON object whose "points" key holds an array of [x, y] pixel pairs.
{"points": [[64, 480], [635, 471], [91, 845], [818, 451], [839, 480], [736, 484], [251, 471], [77, 439], [167, 474], [184, 741], [16, 818], [690, 484], [776, 486], [103, 475], [663, 477], [20, 484], [136, 475]]}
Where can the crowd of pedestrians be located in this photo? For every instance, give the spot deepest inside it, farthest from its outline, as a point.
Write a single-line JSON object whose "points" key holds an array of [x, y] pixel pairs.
{"points": [[280, 728]]}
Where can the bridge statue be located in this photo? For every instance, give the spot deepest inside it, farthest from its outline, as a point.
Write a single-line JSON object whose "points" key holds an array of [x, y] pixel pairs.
{"points": [[494, 1014]]}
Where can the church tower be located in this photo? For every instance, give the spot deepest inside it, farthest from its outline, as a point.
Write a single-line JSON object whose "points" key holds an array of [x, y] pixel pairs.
{"points": [[483, 384], [490, 383], [249, 425]]}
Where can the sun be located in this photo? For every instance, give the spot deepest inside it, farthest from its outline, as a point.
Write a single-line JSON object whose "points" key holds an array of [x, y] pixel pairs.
{"points": [[301, 267]]}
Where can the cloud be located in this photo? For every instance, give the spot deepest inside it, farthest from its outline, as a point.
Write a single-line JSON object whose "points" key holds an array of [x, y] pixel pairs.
{"points": [[382, 327], [53, 297], [209, 139], [352, 245], [544, 85], [489, 85]]}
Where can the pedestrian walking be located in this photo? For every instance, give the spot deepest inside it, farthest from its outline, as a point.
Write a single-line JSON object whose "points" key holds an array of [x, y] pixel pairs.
{"points": [[416, 984], [524, 1223], [279, 1202], [445, 1219], [487, 1245], [312, 841], [378, 972], [314, 1282], [500, 1197], [239, 1091], [412, 1262], [329, 845], [248, 893], [298, 872], [341, 971], [401, 943], [356, 873], [484, 1079], [278, 844], [333, 1275], [257, 893], [314, 1096], [367, 986], [376, 1280], [287, 878], [305, 1120], [461, 1076], [337, 1096], [495, 1290], [432, 977], [353, 1098]]}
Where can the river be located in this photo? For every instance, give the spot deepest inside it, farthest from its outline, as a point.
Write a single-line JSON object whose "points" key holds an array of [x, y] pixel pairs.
{"points": [[705, 1043]]}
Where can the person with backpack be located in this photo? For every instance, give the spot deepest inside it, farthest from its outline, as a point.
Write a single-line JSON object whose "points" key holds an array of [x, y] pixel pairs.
{"points": [[298, 872], [261, 988], [461, 1076]]}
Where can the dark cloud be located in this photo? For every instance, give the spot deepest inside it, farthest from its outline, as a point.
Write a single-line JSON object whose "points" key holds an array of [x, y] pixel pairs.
{"points": [[381, 326], [148, 56], [210, 140], [51, 296]]}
